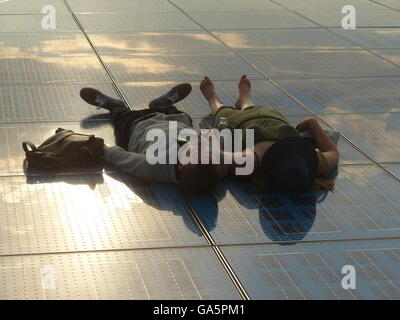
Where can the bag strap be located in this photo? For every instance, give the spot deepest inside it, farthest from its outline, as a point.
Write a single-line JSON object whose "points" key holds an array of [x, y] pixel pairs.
{"points": [[25, 145]]}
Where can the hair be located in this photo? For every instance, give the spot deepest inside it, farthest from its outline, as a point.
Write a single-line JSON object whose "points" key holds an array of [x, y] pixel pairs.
{"points": [[323, 183], [198, 178]]}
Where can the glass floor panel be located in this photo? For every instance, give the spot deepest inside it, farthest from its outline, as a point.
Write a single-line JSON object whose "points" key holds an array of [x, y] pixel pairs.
{"points": [[101, 234]]}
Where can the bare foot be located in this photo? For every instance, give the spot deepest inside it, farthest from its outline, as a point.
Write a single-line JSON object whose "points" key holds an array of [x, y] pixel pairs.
{"points": [[244, 93], [208, 90]]}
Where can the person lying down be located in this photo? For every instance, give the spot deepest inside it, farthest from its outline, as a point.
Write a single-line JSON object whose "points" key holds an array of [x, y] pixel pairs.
{"points": [[280, 156]]}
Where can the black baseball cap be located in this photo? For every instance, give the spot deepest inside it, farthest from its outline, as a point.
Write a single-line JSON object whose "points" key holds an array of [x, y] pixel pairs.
{"points": [[289, 165]]}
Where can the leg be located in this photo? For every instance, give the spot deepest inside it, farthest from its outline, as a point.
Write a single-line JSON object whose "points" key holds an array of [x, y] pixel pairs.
{"points": [[244, 94], [208, 90], [99, 99], [176, 94], [123, 117]]}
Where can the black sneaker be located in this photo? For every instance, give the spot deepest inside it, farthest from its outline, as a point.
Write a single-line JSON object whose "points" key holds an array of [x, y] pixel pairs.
{"points": [[176, 94], [99, 99]]}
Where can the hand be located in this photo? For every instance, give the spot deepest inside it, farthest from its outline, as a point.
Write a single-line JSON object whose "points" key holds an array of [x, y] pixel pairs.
{"points": [[306, 124]]}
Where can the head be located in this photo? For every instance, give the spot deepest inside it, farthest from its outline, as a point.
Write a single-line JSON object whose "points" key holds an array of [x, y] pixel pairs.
{"points": [[290, 166], [199, 175], [198, 178]]}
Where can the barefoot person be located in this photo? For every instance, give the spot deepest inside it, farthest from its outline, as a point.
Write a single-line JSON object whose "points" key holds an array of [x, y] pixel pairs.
{"points": [[285, 161], [131, 127]]}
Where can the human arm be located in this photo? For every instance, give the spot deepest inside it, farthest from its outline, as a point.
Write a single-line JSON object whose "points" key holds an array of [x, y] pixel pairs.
{"points": [[324, 144], [137, 165]]}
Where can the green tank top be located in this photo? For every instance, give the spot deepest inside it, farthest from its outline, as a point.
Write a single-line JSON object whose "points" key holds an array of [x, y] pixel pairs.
{"points": [[268, 124]]}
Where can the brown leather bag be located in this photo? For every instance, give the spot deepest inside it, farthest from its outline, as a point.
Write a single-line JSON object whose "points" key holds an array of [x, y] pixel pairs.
{"points": [[65, 149]]}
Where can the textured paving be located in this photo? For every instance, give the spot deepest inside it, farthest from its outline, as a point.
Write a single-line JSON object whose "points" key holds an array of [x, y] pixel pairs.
{"points": [[103, 235]]}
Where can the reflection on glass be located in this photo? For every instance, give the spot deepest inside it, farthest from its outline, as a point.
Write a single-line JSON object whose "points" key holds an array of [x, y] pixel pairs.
{"points": [[153, 42]]}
